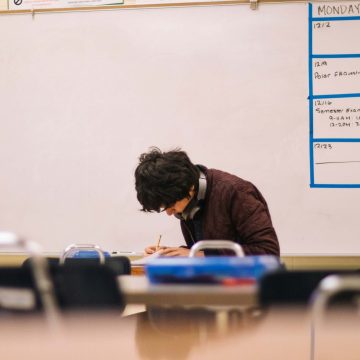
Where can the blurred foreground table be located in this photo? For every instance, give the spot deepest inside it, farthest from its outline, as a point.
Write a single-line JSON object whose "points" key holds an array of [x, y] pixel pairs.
{"points": [[92, 336], [138, 290]]}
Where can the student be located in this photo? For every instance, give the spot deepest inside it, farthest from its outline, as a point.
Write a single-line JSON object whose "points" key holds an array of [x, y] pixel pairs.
{"points": [[211, 204]]}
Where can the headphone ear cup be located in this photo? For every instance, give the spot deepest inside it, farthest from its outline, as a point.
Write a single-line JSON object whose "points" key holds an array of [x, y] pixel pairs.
{"points": [[193, 211], [190, 210], [195, 204], [202, 187]]}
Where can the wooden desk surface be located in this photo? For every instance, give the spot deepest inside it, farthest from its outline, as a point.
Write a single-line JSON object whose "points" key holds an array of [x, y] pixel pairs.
{"points": [[138, 290], [278, 336]]}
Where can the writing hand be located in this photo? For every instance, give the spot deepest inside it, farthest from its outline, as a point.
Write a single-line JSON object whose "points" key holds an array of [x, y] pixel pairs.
{"points": [[152, 249], [178, 251]]}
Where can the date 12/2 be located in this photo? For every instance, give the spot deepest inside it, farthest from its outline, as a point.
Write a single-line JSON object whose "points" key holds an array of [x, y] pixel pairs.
{"points": [[321, 25]]}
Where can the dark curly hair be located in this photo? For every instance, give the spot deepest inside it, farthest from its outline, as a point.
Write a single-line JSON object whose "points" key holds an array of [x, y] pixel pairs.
{"points": [[162, 178]]}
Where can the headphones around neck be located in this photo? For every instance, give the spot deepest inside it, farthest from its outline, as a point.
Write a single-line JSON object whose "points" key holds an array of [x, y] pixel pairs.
{"points": [[195, 203]]}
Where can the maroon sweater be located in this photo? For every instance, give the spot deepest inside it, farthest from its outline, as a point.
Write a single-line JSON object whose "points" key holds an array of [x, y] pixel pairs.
{"points": [[234, 209]]}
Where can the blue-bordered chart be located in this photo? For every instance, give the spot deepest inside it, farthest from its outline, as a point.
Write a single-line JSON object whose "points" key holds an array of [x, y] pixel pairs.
{"points": [[334, 94]]}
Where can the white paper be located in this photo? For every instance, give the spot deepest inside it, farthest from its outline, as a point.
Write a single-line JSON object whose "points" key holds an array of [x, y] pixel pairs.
{"points": [[146, 259]]}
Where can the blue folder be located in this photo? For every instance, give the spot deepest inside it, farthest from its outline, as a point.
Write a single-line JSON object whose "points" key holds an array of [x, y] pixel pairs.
{"points": [[211, 269], [87, 254]]}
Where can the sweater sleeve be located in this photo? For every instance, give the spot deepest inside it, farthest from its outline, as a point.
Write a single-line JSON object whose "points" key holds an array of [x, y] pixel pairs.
{"points": [[251, 218]]}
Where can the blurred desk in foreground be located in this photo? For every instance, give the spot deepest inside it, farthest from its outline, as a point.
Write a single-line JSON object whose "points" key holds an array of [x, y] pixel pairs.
{"points": [[280, 336], [138, 290]]}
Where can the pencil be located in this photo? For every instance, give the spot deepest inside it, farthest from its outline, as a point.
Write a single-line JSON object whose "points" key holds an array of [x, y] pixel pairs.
{"points": [[158, 243]]}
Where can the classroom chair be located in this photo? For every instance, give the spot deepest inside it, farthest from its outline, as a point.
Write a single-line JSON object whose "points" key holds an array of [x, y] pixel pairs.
{"points": [[119, 265], [39, 285], [292, 288], [76, 287], [334, 292]]}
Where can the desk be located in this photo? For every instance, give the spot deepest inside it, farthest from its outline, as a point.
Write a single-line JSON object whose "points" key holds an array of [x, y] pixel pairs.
{"points": [[279, 336], [138, 290]]}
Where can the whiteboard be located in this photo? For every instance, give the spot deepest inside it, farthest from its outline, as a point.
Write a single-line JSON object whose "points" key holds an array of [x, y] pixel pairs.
{"points": [[83, 94]]}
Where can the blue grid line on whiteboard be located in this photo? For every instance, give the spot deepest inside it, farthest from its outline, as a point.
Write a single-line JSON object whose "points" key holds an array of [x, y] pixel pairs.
{"points": [[311, 120], [335, 96], [343, 140], [335, 56], [336, 186], [334, 18]]}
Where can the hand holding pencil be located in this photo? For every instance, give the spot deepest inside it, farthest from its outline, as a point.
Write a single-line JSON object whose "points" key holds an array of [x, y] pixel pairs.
{"points": [[169, 251], [158, 244], [154, 248]]}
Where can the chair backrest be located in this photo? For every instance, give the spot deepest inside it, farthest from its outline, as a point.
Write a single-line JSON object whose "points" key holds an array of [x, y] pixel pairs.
{"points": [[120, 265], [292, 287], [18, 292], [341, 291], [337, 290], [81, 286], [77, 286]]}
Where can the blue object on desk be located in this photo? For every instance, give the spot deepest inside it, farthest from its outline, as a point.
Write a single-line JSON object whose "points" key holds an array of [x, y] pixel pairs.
{"points": [[87, 254], [211, 269]]}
